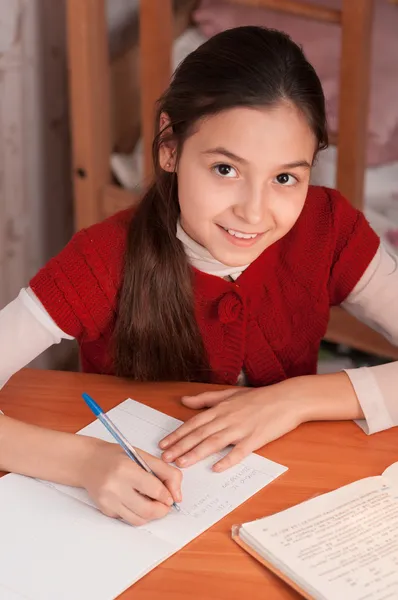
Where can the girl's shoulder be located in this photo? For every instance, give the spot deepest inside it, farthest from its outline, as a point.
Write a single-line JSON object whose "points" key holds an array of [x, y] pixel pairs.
{"points": [[326, 210], [111, 230], [328, 201], [101, 244], [331, 229], [79, 286]]}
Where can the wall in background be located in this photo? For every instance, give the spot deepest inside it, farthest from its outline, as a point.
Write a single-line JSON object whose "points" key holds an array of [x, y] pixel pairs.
{"points": [[36, 215]]}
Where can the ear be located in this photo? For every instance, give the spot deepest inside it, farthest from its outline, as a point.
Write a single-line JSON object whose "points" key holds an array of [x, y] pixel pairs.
{"points": [[167, 149]]}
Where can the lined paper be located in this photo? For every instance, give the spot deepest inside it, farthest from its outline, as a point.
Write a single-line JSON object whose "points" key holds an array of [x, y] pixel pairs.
{"points": [[56, 544]]}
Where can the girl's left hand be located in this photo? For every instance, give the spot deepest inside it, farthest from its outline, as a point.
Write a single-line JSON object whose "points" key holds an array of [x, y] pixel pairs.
{"points": [[248, 418]]}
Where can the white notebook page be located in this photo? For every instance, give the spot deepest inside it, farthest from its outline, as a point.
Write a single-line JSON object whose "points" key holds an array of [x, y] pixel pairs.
{"points": [[55, 544]]}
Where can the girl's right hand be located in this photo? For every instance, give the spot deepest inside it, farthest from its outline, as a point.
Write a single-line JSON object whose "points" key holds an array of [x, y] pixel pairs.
{"points": [[122, 489]]}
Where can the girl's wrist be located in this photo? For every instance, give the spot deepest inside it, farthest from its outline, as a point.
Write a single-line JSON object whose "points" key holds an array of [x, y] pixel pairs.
{"points": [[91, 451], [326, 397]]}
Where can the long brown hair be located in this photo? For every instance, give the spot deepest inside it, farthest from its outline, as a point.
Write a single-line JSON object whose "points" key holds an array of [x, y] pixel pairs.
{"points": [[156, 335]]}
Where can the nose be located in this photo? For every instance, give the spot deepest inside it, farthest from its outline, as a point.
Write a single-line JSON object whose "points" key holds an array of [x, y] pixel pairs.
{"points": [[252, 206]]}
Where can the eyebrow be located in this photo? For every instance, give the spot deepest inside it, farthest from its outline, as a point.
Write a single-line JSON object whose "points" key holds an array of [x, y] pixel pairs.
{"points": [[220, 150]]}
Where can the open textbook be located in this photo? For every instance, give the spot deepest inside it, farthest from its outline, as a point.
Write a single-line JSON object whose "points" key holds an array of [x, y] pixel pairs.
{"points": [[54, 544], [343, 544]]}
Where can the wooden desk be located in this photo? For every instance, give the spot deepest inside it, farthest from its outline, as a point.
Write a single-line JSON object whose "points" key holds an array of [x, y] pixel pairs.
{"points": [[320, 457]]}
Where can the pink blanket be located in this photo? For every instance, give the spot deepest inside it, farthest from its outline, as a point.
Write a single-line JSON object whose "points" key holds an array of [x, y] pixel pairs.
{"points": [[321, 44]]}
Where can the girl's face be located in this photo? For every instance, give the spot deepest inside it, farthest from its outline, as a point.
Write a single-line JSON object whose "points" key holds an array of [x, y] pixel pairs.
{"points": [[243, 177]]}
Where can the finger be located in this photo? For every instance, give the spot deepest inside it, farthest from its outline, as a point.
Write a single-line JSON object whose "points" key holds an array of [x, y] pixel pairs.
{"points": [[213, 443], [149, 485], [142, 506], [185, 429], [130, 517], [191, 440], [234, 457], [207, 399], [171, 477], [133, 518], [121, 511]]}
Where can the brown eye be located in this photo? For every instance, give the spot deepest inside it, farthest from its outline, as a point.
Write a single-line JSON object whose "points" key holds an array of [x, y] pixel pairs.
{"points": [[224, 170], [286, 179]]}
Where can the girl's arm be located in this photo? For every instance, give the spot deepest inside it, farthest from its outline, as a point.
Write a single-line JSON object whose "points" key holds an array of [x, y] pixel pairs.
{"points": [[117, 485], [251, 418], [374, 301], [27, 330]]}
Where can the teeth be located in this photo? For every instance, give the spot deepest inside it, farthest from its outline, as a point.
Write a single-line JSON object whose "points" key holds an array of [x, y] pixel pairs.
{"points": [[239, 234]]}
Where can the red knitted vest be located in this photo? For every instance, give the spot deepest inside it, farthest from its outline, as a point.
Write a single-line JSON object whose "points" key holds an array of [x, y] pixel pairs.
{"points": [[269, 322]]}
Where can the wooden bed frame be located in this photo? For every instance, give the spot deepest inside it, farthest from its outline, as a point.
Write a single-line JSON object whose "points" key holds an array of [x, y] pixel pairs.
{"points": [[104, 101]]}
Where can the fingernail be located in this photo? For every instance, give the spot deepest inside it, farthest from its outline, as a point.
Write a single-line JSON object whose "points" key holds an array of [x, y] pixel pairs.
{"points": [[217, 468], [167, 456], [178, 496], [182, 460], [170, 500], [163, 444]]}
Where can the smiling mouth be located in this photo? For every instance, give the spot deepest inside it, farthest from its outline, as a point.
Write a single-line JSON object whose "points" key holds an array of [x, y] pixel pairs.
{"points": [[240, 234]]}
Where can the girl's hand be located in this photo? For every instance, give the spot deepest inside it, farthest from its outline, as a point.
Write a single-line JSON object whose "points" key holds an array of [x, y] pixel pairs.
{"points": [[122, 489], [247, 418]]}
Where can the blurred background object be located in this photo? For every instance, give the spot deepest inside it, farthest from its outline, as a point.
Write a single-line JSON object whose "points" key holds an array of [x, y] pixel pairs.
{"points": [[99, 65], [36, 209]]}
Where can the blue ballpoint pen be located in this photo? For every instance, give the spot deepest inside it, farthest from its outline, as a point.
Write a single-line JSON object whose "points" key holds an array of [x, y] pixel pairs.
{"points": [[119, 437]]}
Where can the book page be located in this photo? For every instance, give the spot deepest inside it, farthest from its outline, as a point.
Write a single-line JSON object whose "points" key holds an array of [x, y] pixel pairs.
{"points": [[390, 475], [343, 544], [66, 548]]}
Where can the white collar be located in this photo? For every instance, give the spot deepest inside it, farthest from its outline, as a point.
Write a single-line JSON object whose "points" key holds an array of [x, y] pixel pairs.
{"points": [[201, 259]]}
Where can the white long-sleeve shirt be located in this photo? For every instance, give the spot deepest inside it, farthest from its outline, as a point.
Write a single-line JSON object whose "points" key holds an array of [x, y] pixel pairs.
{"points": [[26, 329]]}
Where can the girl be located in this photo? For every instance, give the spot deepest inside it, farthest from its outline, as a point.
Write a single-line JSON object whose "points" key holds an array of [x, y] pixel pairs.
{"points": [[225, 273]]}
